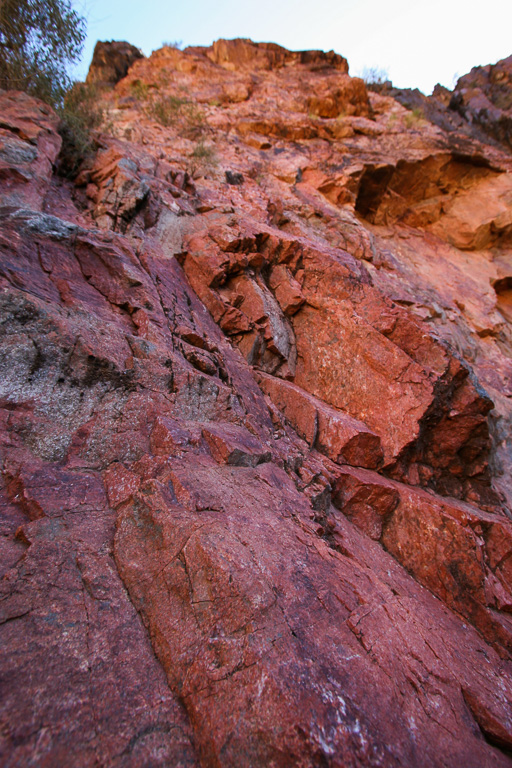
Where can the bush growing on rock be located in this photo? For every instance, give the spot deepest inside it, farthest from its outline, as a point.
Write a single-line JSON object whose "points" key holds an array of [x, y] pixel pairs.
{"points": [[202, 159], [375, 79], [80, 114], [414, 119], [167, 109], [175, 110], [140, 90], [176, 44], [38, 42]]}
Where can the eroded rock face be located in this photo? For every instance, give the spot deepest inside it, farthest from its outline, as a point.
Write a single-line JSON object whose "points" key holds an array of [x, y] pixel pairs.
{"points": [[243, 53], [483, 96], [479, 106], [111, 62], [29, 145], [255, 386]]}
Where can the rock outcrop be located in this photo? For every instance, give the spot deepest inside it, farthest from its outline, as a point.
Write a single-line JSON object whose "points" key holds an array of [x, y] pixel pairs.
{"points": [[479, 106], [255, 410], [111, 62], [484, 96]]}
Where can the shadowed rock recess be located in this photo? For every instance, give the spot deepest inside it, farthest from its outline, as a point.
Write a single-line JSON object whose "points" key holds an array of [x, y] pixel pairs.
{"points": [[255, 421]]}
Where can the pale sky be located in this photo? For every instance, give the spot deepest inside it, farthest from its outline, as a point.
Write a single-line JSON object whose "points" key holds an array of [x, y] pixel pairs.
{"points": [[418, 44]]}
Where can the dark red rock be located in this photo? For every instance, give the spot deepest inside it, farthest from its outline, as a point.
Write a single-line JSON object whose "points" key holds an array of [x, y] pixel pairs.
{"points": [[111, 62], [366, 498], [29, 145], [227, 601], [192, 571], [234, 445], [340, 437], [483, 97], [443, 543]]}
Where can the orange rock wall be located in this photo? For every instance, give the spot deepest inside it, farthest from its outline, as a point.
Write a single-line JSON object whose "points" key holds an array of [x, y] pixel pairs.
{"points": [[255, 382]]}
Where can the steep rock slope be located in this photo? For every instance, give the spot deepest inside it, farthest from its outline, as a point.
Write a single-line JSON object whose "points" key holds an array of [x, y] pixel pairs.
{"points": [[255, 416]]}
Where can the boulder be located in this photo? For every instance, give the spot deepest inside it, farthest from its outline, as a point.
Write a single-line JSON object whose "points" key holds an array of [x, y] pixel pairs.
{"points": [[111, 62]]}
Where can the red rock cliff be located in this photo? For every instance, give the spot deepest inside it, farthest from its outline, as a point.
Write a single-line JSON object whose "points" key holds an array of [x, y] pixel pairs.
{"points": [[255, 414]]}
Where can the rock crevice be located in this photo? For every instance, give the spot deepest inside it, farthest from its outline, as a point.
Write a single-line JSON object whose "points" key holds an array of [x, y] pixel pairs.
{"points": [[255, 382]]}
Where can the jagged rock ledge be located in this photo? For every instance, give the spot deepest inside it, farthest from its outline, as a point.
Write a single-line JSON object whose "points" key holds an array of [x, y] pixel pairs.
{"points": [[255, 424]]}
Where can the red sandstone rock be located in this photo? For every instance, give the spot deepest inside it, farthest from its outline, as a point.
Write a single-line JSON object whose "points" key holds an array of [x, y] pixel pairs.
{"points": [[192, 572], [483, 97], [235, 54], [342, 438], [222, 627], [111, 62], [286, 289], [29, 145], [168, 437], [230, 444], [442, 542], [367, 499]]}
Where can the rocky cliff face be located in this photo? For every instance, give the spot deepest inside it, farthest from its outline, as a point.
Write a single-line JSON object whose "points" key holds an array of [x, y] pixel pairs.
{"points": [[256, 386]]}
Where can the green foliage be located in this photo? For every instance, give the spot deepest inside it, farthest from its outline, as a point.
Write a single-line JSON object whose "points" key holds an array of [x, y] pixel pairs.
{"points": [[195, 124], [202, 159], [80, 114], [38, 40], [167, 109], [174, 110], [140, 90], [415, 118], [164, 77]]}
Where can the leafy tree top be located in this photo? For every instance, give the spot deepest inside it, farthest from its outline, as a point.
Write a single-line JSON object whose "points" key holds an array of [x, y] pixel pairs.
{"points": [[38, 40]]}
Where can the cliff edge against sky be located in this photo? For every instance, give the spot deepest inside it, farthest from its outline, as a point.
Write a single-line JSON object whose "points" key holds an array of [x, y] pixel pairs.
{"points": [[255, 418]]}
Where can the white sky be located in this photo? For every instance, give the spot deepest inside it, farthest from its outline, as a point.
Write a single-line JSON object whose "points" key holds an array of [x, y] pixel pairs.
{"points": [[418, 44]]}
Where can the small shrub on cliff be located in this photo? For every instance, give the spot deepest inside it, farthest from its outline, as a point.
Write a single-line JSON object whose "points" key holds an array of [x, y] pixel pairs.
{"points": [[375, 79], [202, 159], [38, 40], [174, 110], [415, 118], [80, 115], [166, 110], [177, 44], [140, 90], [195, 124]]}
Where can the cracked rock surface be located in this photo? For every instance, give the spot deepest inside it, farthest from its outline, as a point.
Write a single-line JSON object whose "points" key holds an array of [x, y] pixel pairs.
{"points": [[255, 382]]}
